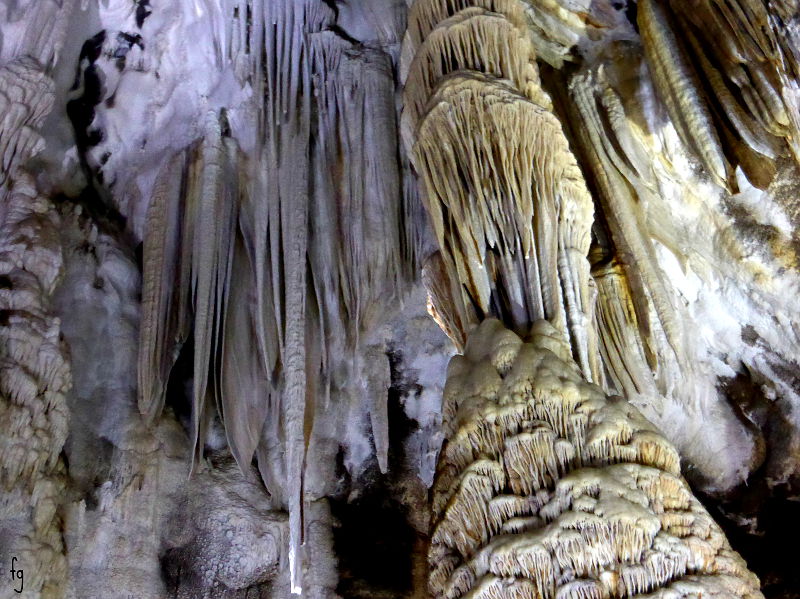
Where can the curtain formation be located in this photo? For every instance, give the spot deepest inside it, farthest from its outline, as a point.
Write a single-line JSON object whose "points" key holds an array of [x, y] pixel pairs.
{"points": [[270, 261]]}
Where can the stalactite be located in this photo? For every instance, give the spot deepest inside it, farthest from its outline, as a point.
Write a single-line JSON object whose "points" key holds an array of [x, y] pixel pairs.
{"points": [[520, 421], [284, 225], [679, 87], [424, 17], [624, 186], [726, 81], [376, 376], [476, 40], [246, 394], [508, 173], [160, 337], [356, 208], [556, 28], [211, 256], [187, 264], [41, 31], [738, 52], [622, 342]]}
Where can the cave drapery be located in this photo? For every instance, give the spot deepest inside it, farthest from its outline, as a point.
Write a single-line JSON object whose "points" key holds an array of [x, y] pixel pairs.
{"points": [[240, 241]]}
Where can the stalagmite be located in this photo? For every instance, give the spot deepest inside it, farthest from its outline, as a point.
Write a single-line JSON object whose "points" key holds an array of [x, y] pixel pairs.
{"points": [[586, 499], [35, 375], [281, 263], [600, 507]]}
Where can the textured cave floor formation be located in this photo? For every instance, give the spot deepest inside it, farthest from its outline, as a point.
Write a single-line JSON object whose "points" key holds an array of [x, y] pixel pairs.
{"points": [[547, 487], [761, 522]]}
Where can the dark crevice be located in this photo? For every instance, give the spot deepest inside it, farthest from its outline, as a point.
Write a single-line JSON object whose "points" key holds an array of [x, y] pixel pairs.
{"points": [[105, 216], [374, 540], [88, 92], [125, 41], [80, 110], [373, 543], [177, 395], [142, 12], [335, 28], [761, 517], [631, 13], [763, 525]]}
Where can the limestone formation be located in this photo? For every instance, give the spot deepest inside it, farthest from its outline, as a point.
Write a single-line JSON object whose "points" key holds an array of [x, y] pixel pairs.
{"points": [[507, 201], [727, 82], [502, 187], [546, 487], [34, 367], [240, 240]]}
